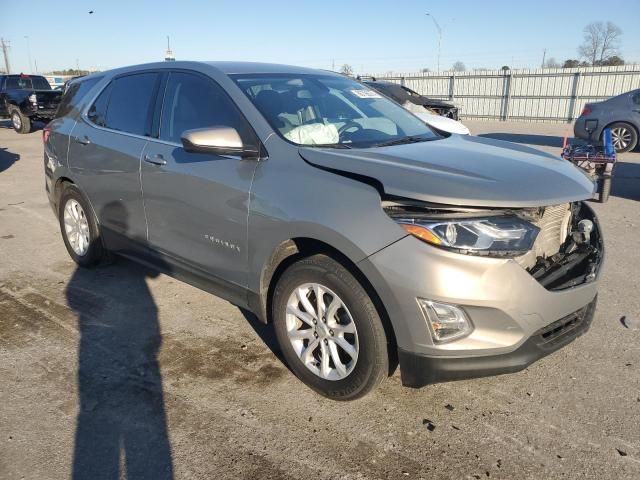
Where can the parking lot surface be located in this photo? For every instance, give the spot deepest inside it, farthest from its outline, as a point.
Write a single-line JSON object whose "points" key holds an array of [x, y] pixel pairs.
{"points": [[121, 369]]}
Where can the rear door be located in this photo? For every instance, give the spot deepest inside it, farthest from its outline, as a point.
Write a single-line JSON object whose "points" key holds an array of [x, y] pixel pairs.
{"points": [[105, 151], [197, 203]]}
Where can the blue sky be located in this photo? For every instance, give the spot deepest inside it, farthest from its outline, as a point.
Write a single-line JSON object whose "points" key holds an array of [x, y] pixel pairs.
{"points": [[371, 35]]}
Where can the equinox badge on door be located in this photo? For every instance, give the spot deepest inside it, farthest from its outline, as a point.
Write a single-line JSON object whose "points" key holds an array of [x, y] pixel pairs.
{"points": [[222, 243]]}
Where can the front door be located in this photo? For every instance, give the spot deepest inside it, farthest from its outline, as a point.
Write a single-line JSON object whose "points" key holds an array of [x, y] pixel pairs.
{"points": [[197, 203]]}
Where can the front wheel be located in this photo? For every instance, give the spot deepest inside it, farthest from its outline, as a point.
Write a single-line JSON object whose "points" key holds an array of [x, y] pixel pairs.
{"points": [[21, 123], [329, 330]]}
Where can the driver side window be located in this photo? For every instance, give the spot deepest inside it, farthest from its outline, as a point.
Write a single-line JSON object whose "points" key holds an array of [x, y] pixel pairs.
{"points": [[191, 102]]}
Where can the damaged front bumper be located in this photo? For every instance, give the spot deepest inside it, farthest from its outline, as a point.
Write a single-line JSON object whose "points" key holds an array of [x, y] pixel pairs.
{"points": [[519, 313], [418, 370], [578, 259]]}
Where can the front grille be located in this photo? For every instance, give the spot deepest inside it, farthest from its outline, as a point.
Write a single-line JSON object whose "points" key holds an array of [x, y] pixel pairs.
{"points": [[554, 228], [566, 329]]}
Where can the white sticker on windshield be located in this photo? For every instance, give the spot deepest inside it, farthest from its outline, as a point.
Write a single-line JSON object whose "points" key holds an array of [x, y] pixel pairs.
{"points": [[366, 94]]}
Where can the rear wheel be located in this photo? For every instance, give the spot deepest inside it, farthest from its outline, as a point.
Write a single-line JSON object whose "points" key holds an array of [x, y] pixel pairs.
{"points": [[329, 330], [79, 228], [21, 123], [624, 137]]}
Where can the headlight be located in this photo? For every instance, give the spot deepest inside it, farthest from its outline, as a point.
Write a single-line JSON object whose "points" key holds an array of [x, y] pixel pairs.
{"points": [[497, 236]]}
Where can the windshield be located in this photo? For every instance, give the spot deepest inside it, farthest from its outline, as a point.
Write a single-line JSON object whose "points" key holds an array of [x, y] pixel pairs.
{"points": [[331, 111]]}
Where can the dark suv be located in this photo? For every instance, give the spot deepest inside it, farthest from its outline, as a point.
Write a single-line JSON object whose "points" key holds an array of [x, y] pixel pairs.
{"points": [[328, 209]]}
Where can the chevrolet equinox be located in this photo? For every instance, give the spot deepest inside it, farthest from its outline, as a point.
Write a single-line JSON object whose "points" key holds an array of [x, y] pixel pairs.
{"points": [[321, 206]]}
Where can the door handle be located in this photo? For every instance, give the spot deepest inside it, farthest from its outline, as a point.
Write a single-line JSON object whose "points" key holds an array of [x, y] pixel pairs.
{"points": [[82, 141], [155, 159]]}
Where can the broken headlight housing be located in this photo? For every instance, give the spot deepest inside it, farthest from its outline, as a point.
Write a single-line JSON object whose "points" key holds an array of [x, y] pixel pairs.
{"points": [[502, 235]]}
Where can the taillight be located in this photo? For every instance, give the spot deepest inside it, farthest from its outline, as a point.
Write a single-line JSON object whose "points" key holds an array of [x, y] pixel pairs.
{"points": [[586, 111], [46, 131]]}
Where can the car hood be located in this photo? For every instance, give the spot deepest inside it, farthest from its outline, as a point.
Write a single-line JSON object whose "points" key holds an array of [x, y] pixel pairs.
{"points": [[462, 170]]}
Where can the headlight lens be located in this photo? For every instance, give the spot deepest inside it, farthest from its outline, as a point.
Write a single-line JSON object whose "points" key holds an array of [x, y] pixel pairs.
{"points": [[499, 236]]}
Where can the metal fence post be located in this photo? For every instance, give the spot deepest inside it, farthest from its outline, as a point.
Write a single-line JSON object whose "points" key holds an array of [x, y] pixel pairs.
{"points": [[506, 96], [574, 98], [402, 81], [452, 83]]}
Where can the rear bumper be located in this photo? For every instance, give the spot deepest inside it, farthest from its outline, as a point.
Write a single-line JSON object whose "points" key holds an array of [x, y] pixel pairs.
{"points": [[419, 370]]}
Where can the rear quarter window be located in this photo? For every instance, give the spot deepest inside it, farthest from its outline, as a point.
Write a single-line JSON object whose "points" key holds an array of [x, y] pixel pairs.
{"points": [[74, 95]]}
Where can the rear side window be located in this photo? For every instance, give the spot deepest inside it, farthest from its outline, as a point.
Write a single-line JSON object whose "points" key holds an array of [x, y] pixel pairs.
{"points": [[15, 83], [126, 104], [192, 101], [74, 94]]}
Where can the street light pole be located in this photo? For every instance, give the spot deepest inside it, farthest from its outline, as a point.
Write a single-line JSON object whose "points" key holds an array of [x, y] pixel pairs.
{"points": [[29, 53], [435, 22]]}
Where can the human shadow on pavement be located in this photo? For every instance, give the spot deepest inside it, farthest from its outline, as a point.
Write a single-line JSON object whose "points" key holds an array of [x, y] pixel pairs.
{"points": [[121, 426], [7, 159]]}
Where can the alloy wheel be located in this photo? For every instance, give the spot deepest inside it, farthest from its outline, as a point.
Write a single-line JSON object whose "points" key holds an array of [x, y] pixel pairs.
{"points": [[76, 227], [16, 120], [621, 137], [321, 331]]}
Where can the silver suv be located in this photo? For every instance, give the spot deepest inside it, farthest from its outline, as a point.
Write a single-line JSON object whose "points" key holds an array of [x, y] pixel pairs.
{"points": [[367, 239]]}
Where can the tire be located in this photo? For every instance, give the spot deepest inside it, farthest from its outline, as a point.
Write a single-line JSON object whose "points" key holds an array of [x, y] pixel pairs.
{"points": [[20, 122], [605, 189], [356, 377], [82, 239], [625, 137]]}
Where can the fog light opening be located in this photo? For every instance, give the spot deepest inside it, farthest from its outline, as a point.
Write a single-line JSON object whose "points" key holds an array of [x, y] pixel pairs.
{"points": [[446, 322]]}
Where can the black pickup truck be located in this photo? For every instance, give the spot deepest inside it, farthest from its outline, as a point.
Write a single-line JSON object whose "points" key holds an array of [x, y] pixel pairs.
{"points": [[26, 98]]}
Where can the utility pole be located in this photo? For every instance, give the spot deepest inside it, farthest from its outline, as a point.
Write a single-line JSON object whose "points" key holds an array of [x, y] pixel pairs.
{"points": [[435, 22], [4, 45], [29, 53], [544, 56]]}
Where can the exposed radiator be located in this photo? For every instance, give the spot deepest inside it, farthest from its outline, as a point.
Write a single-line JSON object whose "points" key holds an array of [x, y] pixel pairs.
{"points": [[554, 228]]}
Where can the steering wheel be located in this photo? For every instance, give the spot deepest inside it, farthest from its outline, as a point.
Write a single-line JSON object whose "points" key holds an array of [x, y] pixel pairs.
{"points": [[348, 126]]}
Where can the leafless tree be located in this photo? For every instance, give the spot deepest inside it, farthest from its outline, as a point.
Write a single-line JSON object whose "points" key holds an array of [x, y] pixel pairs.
{"points": [[458, 67], [346, 69], [601, 41]]}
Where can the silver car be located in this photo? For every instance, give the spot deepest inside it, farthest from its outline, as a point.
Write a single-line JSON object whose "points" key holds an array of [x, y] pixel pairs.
{"points": [[621, 114], [330, 211]]}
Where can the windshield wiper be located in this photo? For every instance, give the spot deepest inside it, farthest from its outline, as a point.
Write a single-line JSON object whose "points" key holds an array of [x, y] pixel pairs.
{"points": [[400, 141]]}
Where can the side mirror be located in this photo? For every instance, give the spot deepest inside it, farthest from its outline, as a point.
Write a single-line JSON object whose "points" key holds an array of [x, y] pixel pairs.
{"points": [[217, 141]]}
